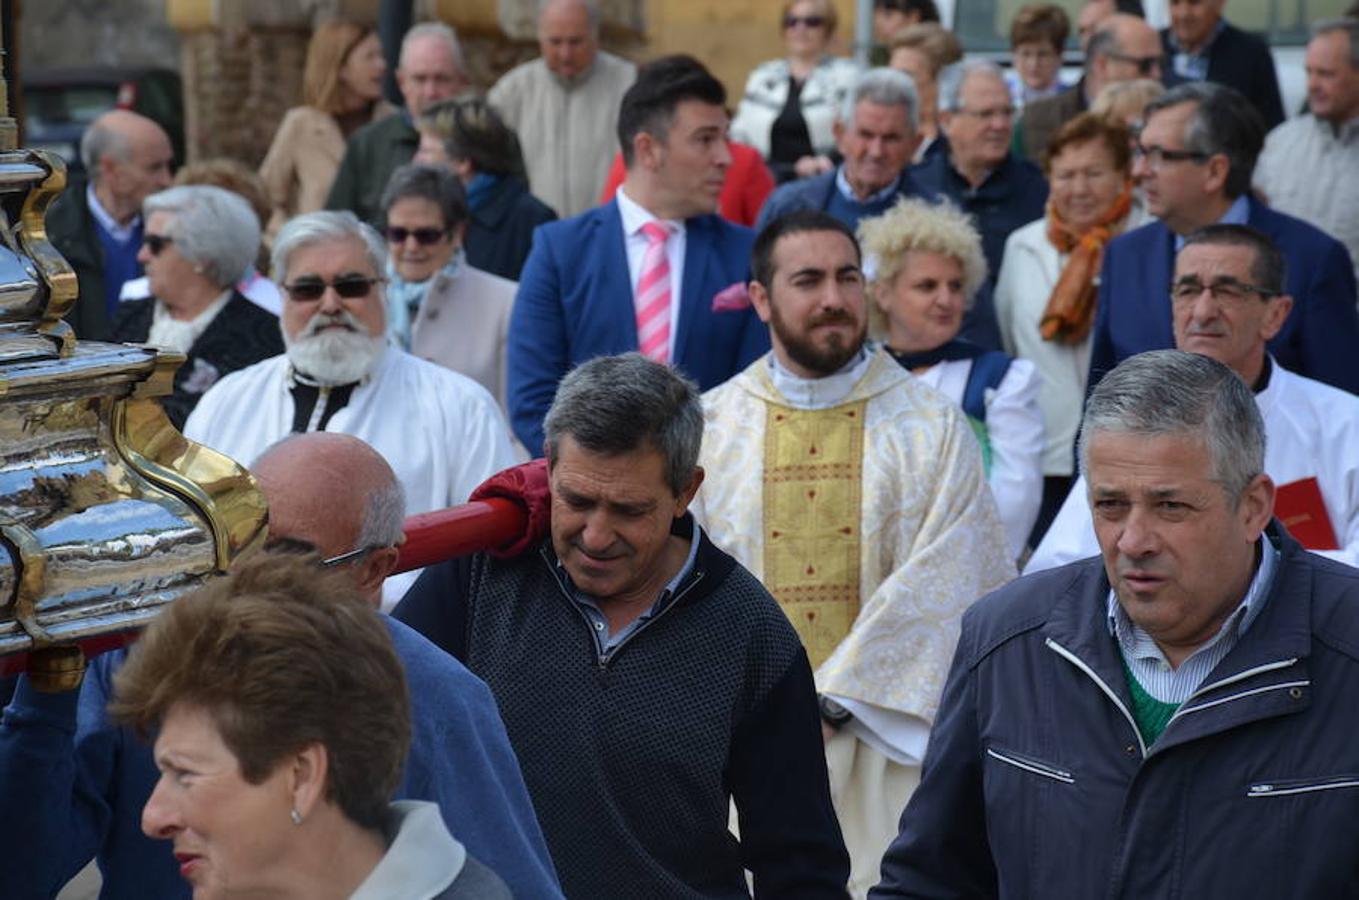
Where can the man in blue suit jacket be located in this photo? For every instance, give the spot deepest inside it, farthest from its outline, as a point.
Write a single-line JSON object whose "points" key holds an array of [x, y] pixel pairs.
{"points": [[576, 294], [1191, 184]]}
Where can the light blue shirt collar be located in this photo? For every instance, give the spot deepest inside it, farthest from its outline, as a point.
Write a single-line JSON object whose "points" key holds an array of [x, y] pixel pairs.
{"points": [[842, 185], [1237, 214]]}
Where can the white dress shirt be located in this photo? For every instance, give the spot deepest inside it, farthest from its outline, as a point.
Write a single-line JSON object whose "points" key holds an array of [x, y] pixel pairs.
{"points": [[634, 217]]}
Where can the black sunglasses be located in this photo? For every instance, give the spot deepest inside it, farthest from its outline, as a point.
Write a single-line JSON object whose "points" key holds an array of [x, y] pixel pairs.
{"points": [[423, 236], [809, 21], [1143, 64], [155, 243], [350, 287]]}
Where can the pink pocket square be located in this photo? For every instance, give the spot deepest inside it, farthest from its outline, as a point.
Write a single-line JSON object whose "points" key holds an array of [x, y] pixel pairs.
{"points": [[732, 298]]}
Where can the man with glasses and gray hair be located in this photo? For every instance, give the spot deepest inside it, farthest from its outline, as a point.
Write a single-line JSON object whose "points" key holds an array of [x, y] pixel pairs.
{"points": [[441, 432], [1194, 160], [1123, 726], [1228, 299], [648, 681]]}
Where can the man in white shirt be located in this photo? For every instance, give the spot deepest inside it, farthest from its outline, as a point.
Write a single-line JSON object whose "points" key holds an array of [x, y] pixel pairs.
{"points": [[441, 432], [1228, 301], [1308, 165], [564, 105]]}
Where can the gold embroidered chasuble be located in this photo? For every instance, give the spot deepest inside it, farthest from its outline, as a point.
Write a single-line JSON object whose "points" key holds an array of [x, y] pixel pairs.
{"points": [[870, 521]]}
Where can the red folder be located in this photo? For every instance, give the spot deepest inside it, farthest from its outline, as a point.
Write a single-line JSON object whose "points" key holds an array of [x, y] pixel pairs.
{"points": [[1299, 506]]}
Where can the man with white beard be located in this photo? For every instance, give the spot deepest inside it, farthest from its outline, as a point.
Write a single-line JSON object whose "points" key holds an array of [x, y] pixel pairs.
{"points": [[441, 432]]}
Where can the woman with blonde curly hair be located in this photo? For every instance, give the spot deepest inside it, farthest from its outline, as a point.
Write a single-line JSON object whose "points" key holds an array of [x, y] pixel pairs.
{"points": [[341, 92], [926, 265]]}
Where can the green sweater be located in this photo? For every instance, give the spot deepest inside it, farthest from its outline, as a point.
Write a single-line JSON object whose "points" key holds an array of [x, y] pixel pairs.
{"points": [[1152, 715]]}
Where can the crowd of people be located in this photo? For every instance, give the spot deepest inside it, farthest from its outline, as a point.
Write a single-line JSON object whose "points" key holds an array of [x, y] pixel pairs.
{"points": [[792, 387]]}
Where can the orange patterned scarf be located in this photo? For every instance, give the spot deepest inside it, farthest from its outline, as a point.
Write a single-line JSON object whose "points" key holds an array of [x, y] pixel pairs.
{"points": [[1071, 307]]}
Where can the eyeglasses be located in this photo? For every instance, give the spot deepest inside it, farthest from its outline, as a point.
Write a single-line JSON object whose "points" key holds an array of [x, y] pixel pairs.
{"points": [[994, 112], [423, 236], [343, 558], [808, 21], [1145, 65], [308, 289], [1226, 290], [155, 243], [1159, 156]]}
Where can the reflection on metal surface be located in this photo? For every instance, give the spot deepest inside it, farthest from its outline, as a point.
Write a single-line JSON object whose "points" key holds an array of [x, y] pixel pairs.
{"points": [[106, 511]]}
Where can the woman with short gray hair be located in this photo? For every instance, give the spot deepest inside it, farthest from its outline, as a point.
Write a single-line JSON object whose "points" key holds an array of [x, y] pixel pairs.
{"points": [[198, 242]]}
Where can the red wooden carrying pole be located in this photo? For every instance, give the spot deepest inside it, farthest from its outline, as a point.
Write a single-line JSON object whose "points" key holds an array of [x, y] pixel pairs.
{"points": [[480, 525], [430, 538]]}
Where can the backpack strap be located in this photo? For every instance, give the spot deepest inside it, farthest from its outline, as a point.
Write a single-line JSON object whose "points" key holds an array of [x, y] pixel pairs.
{"points": [[988, 371]]}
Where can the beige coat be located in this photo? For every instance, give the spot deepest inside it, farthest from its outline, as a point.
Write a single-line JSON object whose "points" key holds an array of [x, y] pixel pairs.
{"points": [[462, 325], [302, 161]]}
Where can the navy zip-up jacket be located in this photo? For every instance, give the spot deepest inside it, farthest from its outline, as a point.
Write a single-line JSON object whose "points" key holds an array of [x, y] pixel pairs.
{"points": [[1037, 783]]}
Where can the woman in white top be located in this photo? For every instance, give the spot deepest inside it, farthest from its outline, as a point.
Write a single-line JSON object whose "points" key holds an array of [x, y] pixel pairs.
{"points": [[790, 105], [927, 264], [1048, 282]]}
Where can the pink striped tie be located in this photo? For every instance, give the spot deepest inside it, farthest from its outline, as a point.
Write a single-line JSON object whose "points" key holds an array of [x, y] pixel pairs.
{"points": [[653, 296]]}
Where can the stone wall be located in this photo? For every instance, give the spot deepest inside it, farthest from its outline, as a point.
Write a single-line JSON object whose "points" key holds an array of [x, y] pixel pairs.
{"points": [[67, 33]]}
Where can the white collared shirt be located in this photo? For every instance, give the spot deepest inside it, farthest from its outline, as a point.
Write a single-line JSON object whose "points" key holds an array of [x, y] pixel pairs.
{"points": [[819, 393], [120, 233], [634, 217]]}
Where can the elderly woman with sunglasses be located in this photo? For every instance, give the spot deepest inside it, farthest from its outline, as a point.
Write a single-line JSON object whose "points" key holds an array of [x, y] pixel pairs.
{"points": [[439, 307], [790, 105], [282, 721], [198, 243]]}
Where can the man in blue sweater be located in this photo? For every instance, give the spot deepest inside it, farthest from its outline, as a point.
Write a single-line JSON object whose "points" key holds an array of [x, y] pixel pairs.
{"points": [[73, 786]]}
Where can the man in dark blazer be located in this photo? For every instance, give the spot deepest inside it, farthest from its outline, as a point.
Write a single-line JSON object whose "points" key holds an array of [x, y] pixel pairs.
{"points": [[1201, 45], [577, 296], [1191, 184]]}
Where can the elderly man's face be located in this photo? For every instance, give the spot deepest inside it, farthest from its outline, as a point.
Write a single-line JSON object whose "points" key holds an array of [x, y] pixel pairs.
{"points": [[565, 40], [1178, 551], [1192, 21], [979, 130], [428, 74], [611, 520], [815, 303], [1138, 54], [877, 145], [1177, 187], [344, 261], [147, 168], [1332, 80]]}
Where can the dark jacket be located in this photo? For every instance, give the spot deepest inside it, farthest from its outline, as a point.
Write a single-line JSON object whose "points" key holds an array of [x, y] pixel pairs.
{"points": [[240, 335], [70, 228], [373, 153], [500, 231], [1036, 783], [1041, 119], [1239, 60], [633, 757], [1317, 340]]}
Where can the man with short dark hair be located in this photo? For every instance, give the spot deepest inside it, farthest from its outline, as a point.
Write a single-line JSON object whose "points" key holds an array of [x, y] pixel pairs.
{"points": [[1308, 165], [1194, 160], [431, 68], [877, 134], [1203, 46], [856, 495], [97, 225], [563, 105], [1227, 300], [329, 494], [647, 680], [655, 270], [1120, 727]]}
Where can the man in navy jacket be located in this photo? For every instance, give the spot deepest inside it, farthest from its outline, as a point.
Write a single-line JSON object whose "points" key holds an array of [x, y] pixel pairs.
{"points": [[1194, 160], [1175, 719], [1201, 45], [577, 294]]}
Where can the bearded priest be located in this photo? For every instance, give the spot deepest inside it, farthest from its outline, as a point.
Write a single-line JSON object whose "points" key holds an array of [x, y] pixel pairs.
{"points": [[857, 495], [441, 432]]}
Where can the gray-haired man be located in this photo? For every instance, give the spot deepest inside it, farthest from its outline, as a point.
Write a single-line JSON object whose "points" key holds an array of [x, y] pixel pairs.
{"points": [[1122, 727], [647, 680], [877, 134]]}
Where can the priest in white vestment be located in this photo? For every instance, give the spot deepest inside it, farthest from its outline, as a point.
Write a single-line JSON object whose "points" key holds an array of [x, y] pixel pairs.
{"points": [[857, 495], [442, 433], [1311, 429]]}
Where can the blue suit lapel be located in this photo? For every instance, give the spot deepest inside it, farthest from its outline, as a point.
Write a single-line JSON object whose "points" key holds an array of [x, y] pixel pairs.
{"points": [[615, 282], [1158, 272], [696, 292]]}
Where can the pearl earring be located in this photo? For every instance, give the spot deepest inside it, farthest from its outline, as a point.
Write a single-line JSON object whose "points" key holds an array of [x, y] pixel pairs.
{"points": [[295, 816]]}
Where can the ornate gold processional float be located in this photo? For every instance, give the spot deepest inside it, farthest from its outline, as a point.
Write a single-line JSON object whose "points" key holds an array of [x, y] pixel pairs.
{"points": [[107, 512]]}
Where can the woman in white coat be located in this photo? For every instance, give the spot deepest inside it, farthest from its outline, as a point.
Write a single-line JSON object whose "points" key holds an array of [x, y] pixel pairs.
{"points": [[926, 264]]}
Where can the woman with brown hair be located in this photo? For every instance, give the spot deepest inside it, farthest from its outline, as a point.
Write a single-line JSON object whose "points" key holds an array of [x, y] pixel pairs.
{"points": [[922, 51], [341, 92], [1048, 282], [282, 720]]}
